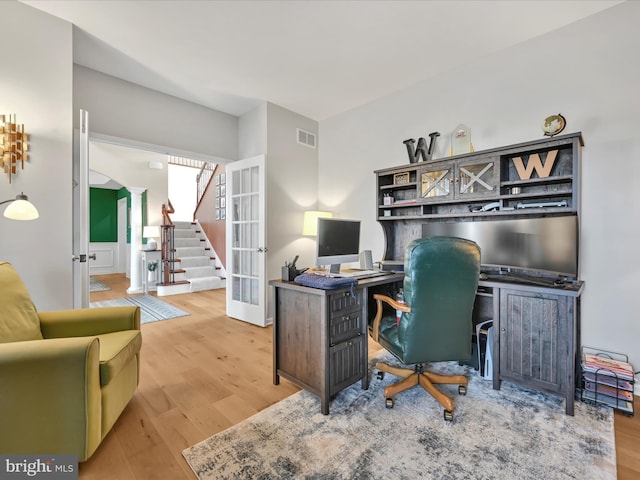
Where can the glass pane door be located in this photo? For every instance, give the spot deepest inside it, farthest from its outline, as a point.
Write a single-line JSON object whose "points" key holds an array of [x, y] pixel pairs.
{"points": [[245, 237]]}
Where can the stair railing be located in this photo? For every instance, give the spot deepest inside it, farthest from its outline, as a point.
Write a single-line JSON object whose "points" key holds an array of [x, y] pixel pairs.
{"points": [[203, 178], [168, 245]]}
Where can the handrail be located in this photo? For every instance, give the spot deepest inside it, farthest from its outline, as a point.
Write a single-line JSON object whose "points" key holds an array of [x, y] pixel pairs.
{"points": [[166, 220], [204, 178], [168, 250]]}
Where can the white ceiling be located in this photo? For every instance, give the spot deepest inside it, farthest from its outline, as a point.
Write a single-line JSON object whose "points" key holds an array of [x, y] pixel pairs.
{"points": [[317, 58]]}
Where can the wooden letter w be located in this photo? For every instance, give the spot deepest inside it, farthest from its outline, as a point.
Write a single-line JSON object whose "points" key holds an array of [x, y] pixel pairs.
{"points": [[536, 164]]}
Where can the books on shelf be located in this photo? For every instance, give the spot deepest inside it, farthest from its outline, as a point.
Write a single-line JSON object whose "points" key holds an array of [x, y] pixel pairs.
{"points": [[607, 366], [405, 202]]}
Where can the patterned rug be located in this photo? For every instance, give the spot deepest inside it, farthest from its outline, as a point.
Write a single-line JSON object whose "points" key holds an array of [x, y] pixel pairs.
{"points": [[97, 286], [152, 308], [512, 433]]}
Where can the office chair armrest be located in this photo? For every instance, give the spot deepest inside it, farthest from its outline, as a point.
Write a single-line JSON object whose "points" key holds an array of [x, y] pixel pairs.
{"points": [[379, 298]]}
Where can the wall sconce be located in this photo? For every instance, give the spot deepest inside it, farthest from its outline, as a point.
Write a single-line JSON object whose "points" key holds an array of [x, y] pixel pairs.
{"points": [[151, 231], [20, 208], [14, 145], [310, 225]]}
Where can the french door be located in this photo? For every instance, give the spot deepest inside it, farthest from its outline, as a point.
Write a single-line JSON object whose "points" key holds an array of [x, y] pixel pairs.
{"points": [[245, 237], [81, 214]]}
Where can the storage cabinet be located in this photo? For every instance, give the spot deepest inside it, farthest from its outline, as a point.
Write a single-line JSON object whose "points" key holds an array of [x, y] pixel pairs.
{"points": [[320, 336], [537, 335]]}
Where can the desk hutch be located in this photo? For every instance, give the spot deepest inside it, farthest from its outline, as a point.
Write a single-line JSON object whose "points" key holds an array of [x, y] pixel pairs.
{"points": [[537, 322]]}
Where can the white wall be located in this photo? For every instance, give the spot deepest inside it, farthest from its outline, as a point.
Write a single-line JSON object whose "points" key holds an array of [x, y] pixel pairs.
{"points": [[128, 111], [588, 72], [37, 87], [292, 171], [291, 188]]}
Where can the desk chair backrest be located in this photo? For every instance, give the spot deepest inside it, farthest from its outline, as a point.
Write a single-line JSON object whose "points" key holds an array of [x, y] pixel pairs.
{"points": [[441, 278]]}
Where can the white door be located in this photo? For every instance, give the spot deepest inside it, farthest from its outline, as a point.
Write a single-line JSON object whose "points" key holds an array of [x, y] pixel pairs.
{"points": [[81, 215], [246, 249]]}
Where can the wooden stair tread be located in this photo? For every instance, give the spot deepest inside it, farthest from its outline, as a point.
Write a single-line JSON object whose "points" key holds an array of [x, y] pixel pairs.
{"points": [[179, 282]]}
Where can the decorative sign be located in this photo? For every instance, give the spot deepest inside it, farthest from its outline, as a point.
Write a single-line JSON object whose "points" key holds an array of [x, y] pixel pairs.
{"points": [[421, 150], [542, 169]]}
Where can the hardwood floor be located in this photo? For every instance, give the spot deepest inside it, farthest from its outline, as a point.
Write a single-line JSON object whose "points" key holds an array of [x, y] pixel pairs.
{"points": [[201, 374]]}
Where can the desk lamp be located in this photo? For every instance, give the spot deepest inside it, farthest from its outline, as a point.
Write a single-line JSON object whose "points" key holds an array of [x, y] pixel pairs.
{"points": [[310, 223]]}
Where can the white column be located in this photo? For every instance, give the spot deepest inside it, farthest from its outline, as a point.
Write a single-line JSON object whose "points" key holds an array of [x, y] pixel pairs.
{"points": [[136, 240]]}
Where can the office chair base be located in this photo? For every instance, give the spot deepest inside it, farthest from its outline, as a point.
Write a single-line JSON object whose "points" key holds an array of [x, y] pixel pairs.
{"points": [[426, 380]]}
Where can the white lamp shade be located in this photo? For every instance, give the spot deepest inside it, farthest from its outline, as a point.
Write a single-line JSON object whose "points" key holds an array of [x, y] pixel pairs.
{"points": [[151, 231], [21, 210], [310, 225]]}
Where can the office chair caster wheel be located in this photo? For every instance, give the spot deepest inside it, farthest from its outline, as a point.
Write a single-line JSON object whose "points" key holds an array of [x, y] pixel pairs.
{"points": [[388, 402], [462, 389], [380, 375], [448, 415]]}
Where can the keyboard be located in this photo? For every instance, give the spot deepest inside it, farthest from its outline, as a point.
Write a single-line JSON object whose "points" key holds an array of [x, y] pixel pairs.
{"points": [[360, 273]]}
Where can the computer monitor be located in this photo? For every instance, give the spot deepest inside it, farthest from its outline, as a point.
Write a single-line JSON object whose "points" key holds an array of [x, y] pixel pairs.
{"points": [[338, 242], [547, 245]]}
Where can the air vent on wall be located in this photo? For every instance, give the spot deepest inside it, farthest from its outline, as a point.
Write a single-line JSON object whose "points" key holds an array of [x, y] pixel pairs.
{"points": [[306, 138]]}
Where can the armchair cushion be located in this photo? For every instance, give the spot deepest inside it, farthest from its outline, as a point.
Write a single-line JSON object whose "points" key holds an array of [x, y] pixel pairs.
{"points": [[18, 317]]}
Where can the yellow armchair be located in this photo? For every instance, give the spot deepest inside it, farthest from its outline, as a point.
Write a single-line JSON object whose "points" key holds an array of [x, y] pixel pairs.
{"points": [[65, 376]]}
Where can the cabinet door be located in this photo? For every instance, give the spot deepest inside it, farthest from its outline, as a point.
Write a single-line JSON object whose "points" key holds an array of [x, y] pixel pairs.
{"points": [[534, 339], [346, 363], [436, 182], [478, 178]]}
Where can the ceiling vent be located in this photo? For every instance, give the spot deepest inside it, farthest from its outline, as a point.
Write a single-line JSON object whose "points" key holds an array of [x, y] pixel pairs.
{"points": [[306, 138]]}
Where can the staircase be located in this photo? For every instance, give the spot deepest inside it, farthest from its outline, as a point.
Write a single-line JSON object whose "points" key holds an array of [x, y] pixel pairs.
{"points": [[195, 266]]}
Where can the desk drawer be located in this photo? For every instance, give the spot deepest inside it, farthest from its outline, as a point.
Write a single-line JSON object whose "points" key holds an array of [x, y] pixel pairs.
{"points": [[346, 363], [344, 327], [345, 316], [343, 302]]}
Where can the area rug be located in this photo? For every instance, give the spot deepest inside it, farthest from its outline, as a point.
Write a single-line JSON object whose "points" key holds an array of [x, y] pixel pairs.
{"points": [[97, 286], [152, 309], [512, 433]]}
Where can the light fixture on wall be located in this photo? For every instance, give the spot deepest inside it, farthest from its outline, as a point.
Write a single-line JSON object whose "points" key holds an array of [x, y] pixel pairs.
{"points": [[20, 208], [310, 225], [14, 146], [151, 232]]}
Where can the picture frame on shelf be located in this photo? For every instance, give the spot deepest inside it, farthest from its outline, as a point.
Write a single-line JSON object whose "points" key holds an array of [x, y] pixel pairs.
{"points": [[401, 178]]}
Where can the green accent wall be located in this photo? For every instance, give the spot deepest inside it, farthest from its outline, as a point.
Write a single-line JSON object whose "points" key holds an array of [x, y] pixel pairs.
{"points": [[103, 214]]}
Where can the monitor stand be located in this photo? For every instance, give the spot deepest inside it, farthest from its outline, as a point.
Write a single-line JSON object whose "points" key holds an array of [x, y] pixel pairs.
{"points": [[334, 268]]}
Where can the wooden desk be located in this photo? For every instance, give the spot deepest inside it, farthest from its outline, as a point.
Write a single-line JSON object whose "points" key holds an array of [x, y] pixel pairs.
{"points": [[320, 336]]}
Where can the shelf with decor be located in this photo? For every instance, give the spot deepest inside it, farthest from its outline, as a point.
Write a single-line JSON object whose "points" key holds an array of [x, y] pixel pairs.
{"points": [[526, 179]]}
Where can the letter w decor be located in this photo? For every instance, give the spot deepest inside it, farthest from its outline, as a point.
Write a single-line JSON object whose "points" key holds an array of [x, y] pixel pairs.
{"points": [[534, 163]]}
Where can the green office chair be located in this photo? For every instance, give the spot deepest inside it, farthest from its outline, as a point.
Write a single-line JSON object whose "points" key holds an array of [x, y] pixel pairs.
{"points": [[441, 278]]}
